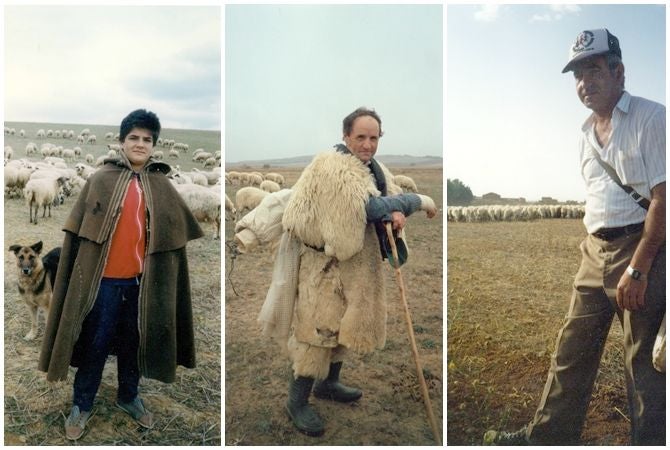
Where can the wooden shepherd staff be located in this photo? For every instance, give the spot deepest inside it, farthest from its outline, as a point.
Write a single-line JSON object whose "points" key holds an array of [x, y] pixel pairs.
{"points": [[410, 330]]}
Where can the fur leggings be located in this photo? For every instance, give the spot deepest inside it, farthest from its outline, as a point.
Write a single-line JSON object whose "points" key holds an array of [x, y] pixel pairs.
{"points": [[312, 361]]}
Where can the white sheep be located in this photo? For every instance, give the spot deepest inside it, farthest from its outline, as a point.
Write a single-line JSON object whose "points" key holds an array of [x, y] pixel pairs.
{"points": [[83, 170], [89, 158], [276, 177], [85, 132], [9, 152], [406, 183], [270, 186], [68, 154], [100, 161], [109, 135], [158, 154], [77, 152], [210, 162], [204, 203], [41, 192], [81, 139], [31, 148], [201, 156], [173, 153], [212, 176], [254, 179], [22, 133], [248, 198], [91, 139], [40, 134]]}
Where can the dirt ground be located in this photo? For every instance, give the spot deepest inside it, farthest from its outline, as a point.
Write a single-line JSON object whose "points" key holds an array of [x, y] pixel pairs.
{"points": [[391, 411], [188, 412], [509, 287]]}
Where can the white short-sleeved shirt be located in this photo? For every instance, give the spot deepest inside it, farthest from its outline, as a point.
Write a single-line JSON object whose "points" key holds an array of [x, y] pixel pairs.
{"points": [[636, 150]]}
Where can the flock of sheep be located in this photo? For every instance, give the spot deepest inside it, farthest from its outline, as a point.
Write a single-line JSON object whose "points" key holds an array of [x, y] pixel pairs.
{"points": [[511, 213], [47, 175]]}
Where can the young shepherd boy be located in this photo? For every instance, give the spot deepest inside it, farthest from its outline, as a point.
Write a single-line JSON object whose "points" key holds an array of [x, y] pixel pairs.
{"points": [[122, 284]]}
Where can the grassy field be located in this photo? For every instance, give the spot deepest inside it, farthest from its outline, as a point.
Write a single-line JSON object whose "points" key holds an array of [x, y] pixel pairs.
{"points": [[391, 411], [188, 412], [509, 288]]}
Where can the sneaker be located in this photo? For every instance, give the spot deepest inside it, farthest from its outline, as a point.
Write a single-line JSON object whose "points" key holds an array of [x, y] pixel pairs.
{"points": [[493, 437], [137, 411], [76, 423]]}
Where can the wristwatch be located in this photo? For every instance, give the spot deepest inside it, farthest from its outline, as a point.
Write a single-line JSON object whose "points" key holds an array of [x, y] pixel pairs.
{"points": [[635, 274]]}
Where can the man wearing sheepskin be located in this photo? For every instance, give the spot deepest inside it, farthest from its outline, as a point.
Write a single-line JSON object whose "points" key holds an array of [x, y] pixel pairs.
{"points": [[122, 283], [623, 257], [327, 293]]}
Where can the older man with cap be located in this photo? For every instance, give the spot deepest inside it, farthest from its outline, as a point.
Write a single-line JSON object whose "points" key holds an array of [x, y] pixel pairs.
{"points": [[622, 273]]}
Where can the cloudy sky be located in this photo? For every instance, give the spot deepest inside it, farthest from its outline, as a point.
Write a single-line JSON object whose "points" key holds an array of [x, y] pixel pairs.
{"points": [[512, 118], [94, 64], [294, 72]]}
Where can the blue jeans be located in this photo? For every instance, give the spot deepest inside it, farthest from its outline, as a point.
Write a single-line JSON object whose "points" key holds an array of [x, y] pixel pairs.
{"points": [[114, 315]]}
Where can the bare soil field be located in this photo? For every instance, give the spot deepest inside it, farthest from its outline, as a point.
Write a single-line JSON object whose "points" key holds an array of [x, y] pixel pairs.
{"points": [[509, 287], [188, 412], [391, 411]]}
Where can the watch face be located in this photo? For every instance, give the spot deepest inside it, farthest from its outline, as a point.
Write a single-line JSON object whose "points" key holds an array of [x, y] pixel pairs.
{"points": [[636, 275]]}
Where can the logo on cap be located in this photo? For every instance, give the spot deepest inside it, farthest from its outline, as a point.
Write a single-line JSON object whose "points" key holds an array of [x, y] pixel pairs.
{"points": [[583, 41]]}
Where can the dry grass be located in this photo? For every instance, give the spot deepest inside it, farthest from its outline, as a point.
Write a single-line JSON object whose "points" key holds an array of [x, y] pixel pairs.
{"points": [[188, 412], [391, 411], [509, 289]]}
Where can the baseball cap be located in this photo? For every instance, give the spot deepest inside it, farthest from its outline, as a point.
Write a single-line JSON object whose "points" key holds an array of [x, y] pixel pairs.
{"points": [[590, 43]]}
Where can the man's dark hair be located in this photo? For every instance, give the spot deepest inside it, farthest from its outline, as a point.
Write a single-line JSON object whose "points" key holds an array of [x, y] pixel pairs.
{"points": [[140, 118], [348, 122]]}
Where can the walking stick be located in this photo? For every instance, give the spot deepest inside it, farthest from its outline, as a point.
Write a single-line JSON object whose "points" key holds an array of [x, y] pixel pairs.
{"points": [[410, 330]]}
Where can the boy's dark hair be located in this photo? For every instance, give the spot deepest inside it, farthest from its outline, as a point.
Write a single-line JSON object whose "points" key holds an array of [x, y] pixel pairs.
{"points": [[140, 118], [348, 122]]}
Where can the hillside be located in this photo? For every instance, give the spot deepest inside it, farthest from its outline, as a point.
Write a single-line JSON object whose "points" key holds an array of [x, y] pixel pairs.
{"points": [[302, 161]]}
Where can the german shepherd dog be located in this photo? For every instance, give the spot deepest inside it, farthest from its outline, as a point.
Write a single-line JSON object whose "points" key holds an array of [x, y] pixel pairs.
{"points": [[36, 279]]}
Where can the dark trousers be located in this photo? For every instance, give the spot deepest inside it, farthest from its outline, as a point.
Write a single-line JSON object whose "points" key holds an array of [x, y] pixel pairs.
{"points": [[579, 347], [113, 318]]}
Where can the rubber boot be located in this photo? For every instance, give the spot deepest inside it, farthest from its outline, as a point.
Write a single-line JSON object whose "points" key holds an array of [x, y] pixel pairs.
{"points": [[303, 416], [332, 389]]}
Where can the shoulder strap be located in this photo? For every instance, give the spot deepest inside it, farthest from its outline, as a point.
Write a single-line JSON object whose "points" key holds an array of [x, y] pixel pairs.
{"points": [[643, 202]]}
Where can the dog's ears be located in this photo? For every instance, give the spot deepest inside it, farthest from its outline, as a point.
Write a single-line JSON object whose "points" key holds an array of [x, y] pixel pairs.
{"points": [[15, 248], [37, 247]]}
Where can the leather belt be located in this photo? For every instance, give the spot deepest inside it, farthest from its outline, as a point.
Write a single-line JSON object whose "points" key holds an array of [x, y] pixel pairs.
{"points": [[609, 234]]}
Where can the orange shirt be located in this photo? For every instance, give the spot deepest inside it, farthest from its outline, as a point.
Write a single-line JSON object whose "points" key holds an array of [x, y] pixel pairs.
{"points": [[126, 253]]}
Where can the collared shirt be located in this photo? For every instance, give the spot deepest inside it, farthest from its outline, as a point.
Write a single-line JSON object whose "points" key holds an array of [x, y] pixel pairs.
{"points": [[636, 150]]}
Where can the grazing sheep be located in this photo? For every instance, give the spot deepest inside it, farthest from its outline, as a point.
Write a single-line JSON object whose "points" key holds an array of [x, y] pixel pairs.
{"points": [[50, 133], [31, 148], [40, 134], [70, 134], [90, 159], [212, 176], [233, 177], [91, 139], [276, 177], [85, 132], [269, 186], [9, 152], [210, 162], [201, 156], [158, 154], [204, 203], [41, 192], [253, 179], [248, 198], [80, 139], [405, 183], [173, 153], [77, 152], [58, 134], [109, 135], [68, 154], [22, 133]]}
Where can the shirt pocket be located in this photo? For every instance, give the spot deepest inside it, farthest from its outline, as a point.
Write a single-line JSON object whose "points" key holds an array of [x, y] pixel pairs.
{"points": [[630, 166]]}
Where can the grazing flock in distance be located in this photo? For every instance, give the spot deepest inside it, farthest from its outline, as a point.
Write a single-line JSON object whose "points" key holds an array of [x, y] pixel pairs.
{"points": [[48, 174], [513, 213]]}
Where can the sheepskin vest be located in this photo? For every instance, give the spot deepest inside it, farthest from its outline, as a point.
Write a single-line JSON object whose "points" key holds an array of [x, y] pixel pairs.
{"points": [[165, 315], [341, 298]]}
